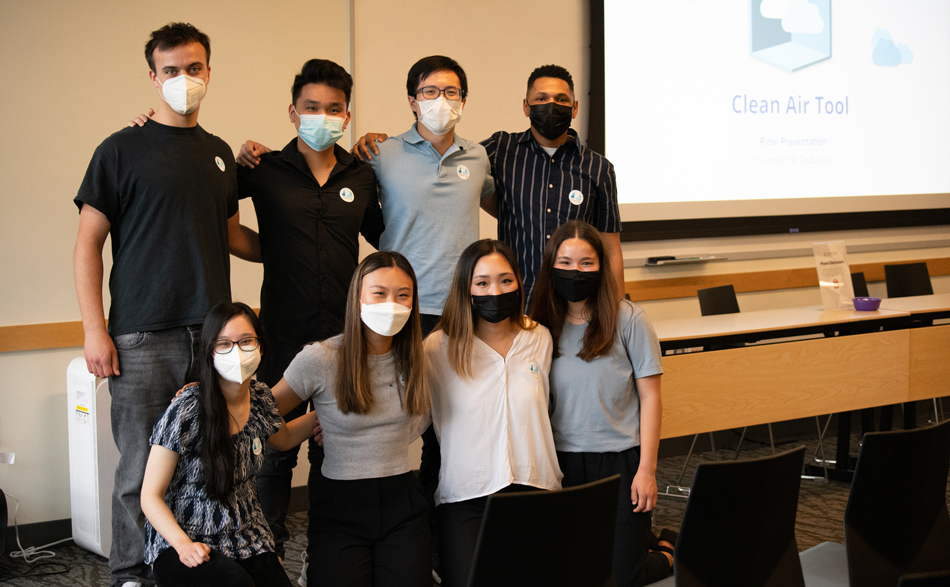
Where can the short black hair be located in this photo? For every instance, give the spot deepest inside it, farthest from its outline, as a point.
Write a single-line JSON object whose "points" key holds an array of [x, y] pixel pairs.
{"points": [[322, 71], [429, 65], [555, 71], [175, 34]]}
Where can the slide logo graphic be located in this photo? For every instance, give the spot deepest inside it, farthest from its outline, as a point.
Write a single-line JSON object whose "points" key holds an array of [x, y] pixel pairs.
{"points": [[887, 52], [791, 34]]}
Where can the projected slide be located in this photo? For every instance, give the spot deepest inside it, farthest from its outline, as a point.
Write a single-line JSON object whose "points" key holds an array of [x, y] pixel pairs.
{"points": [[768, 99]]}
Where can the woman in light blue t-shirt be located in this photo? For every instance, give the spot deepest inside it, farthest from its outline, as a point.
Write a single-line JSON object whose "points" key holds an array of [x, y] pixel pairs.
{"points": [[605, 392]]}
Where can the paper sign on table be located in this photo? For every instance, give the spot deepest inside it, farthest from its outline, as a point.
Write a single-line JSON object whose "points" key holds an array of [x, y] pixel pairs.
{"points": [[834, 275]]}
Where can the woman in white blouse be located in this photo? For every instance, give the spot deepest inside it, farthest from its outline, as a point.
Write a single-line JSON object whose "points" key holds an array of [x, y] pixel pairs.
{"points": [[488, 374]]}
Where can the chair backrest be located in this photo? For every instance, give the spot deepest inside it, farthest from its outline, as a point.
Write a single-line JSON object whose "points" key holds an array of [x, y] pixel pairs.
{"points": [[908, 279], [552, 538], [896, 521], [859, 285], [938, 579], [718, 300], [739, 524]]}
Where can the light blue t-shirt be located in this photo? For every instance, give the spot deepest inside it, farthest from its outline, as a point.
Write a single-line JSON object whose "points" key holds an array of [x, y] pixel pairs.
{"points": [[595, 406], [430, 206]]}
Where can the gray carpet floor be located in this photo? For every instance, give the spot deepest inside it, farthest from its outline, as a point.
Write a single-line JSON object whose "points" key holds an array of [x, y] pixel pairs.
{"points": [[820, 514]]}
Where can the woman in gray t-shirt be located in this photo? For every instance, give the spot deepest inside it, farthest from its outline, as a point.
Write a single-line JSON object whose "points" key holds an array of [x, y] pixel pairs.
{"points": [[368, 519], [605, 390]]}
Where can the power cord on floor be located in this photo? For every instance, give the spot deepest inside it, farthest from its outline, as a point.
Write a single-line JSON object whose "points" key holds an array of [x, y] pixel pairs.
{"points": [[32, 554]]}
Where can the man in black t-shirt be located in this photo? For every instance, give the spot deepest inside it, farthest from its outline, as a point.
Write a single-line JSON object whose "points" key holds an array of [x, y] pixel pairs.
{"points": [[166, 194]]}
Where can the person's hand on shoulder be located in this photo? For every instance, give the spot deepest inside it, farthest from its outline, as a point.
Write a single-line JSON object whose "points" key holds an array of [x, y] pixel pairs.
{"points": [[366, 143], [141, 119], [250, 154]]}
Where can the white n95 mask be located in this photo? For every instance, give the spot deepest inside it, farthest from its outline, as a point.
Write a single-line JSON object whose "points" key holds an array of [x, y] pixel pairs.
{"points": [[237, 365], [440, 115], [385, 318], [183, 93]]}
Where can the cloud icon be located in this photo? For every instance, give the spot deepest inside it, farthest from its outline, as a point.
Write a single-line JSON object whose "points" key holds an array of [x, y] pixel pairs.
{"points": [[802, 17], [907, 56], [887, 53], [774, 8]]}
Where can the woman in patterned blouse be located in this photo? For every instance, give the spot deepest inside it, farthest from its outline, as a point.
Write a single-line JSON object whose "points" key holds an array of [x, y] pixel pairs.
{"points": [[205, 525]]}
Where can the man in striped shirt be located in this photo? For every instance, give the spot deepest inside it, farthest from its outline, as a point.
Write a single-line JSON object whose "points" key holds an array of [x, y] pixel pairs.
{"points": [[544, 177]]}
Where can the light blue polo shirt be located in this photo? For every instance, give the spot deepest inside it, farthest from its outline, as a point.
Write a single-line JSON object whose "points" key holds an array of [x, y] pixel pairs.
{"points": [[430, 206]]}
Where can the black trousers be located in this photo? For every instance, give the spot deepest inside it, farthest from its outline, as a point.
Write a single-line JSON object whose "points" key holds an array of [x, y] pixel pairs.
{"points": [[369, 532], [459, 524], [263, 570], [633, 563]]}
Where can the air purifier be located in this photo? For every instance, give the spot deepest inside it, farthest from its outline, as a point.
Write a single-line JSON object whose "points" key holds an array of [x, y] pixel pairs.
{"points": [[93, 458]]}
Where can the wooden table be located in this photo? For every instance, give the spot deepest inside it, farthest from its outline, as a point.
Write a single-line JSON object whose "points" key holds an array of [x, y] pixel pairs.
{"points": [[732, 388]]}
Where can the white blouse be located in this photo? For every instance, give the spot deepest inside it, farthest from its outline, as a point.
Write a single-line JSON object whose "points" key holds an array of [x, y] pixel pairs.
{"points": [[494, 430]]}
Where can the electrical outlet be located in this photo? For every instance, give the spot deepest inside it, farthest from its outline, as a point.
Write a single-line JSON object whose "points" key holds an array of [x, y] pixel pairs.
{"points": [[7, 458]]}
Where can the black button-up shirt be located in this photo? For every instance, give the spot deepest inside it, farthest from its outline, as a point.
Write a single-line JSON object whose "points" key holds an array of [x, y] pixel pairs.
{"points": [[309, 240], [538, 192]]}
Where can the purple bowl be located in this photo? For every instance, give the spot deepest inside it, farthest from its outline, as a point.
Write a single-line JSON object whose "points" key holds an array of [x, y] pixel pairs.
{"points": [[867, 304]]}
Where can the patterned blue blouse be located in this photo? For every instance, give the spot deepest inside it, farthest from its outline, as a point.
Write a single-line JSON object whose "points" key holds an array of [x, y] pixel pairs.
{"points": [[237, 530]]}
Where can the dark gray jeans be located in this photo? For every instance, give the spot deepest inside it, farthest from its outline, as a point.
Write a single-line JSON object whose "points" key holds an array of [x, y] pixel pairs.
{"points": [[154, 365]]}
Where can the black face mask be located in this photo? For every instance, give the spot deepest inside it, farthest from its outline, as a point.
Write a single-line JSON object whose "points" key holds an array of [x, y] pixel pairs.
{"points": [[551, 119], [573, 285], [494, 309]]}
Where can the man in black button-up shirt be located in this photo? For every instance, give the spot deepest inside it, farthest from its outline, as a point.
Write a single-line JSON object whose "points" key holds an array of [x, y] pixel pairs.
{"points": [[311, 206]]}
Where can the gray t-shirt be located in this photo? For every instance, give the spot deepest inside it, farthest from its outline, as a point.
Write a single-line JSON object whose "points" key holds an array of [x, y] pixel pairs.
{"points": [[595, 406], [357, 446]]}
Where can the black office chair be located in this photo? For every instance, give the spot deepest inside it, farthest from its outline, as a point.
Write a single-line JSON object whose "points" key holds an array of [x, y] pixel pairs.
{"points": [[909, 279], [938, 579], [718, 300], [896, 522], [859, 285], [552, 538], [739, 525]]}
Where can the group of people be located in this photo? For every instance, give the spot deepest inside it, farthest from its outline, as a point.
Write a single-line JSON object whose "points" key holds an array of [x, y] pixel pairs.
{"points": [[384, 350]]}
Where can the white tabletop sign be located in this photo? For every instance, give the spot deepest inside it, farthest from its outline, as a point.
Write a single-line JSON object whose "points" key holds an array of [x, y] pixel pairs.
{"points": [[834, 275]]}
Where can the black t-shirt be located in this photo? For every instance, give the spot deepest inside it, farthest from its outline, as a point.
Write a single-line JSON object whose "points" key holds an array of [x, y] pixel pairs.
{"points": [[309, 240], [168, 193]]}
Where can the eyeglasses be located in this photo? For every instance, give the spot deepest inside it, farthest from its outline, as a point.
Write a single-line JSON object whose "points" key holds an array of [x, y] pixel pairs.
{"points": [[432, 92], [247, 344]]}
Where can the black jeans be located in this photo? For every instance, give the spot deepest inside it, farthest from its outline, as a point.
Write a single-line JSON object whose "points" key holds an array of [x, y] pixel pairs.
{"points": [[633, 563], [263, 570], [367, 532]]}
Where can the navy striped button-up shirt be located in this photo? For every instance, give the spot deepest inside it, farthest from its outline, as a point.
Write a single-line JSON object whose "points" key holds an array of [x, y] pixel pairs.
{"points": [[538, 192]]}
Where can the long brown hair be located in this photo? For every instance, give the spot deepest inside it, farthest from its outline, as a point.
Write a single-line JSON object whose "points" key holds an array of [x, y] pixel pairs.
{"points": [[550, 309], [216, 447], [354, 392], [458, 320]]}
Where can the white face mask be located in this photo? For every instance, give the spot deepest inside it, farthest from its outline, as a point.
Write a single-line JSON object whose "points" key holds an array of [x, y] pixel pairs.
{"points": [[440, 115], [237, 365], [183, 93], [385, 318]]}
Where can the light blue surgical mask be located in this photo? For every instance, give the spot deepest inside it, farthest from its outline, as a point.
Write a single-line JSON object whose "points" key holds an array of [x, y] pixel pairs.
{"points": [[320, 131]]}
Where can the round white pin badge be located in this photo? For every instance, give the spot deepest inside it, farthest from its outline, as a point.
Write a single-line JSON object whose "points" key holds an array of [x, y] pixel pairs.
{"points": [[462, 171], [576, 197], [219, 162], [346, 194]]}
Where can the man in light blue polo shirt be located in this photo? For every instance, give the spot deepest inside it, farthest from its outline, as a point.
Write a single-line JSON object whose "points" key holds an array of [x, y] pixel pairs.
{"points": [[431, 182]]}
